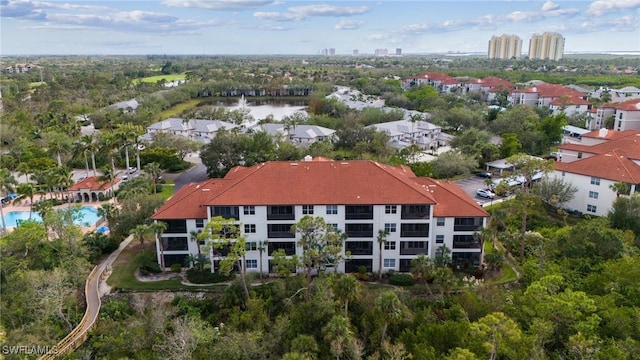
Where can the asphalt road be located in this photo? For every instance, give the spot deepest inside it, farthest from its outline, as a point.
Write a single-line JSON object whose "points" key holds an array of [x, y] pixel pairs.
{"points": [[195, 174]]}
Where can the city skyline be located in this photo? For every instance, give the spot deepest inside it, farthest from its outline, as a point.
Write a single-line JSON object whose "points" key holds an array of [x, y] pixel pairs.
{"points": [[266, 27]]}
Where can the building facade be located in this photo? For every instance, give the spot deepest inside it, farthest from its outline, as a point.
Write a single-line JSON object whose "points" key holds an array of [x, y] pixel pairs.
{"points": [[546, 46], [505, 47], [360, 198]]}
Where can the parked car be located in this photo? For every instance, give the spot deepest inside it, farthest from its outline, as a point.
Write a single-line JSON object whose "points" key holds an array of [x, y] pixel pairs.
{"points": [[132, 170], [485, 194], [484, 174]]}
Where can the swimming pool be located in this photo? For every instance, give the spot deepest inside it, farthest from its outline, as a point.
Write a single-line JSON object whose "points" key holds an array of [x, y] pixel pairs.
{"points": [[88, 216]]}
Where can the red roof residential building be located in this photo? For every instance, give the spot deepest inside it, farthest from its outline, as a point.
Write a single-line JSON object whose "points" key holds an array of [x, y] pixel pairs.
{"points": [[359, 197]]}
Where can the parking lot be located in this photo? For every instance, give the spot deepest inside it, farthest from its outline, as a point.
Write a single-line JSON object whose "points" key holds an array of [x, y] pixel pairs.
{"points": [[471, 184]]}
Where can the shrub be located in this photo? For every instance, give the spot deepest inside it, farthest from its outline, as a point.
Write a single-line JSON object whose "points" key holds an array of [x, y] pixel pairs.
{"points": [[401, 279], [176, 268], [206, 277]]}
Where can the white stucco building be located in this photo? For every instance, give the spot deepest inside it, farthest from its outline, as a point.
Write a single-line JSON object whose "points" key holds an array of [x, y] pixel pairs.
{"points": [[359, 198]]}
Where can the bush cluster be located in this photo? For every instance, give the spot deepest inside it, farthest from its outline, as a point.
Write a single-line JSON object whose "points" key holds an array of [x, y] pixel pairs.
{"points": [[401, 279], [196, 276]]}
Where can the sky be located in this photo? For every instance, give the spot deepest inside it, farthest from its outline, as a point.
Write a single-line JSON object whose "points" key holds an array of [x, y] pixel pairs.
{"points": [[306, 27]]}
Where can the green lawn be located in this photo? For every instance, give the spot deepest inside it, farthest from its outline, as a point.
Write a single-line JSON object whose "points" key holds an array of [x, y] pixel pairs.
{"points": [[123, 275], [179, 109], [36, 84], [167, 190], [154, 79]]}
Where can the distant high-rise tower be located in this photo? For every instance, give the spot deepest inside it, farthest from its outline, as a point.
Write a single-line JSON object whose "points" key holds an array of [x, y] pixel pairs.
{"points": [[332, 52], [398, 52], [381, 52], [505, 47], [546, 46]]}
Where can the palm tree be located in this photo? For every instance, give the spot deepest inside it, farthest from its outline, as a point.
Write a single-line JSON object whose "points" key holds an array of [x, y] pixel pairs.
{"points": [[194, 237], [153, 170], [139, 232], [27, 190], [158, 228], [619, 188], [81, 146], [262, 247], [392, 310], [128, 134], [382, 239], [347, 288], [23, 169], [58, 144], [7, 183], [92, 146], [109, 145], [109, 175], [109, 212]]}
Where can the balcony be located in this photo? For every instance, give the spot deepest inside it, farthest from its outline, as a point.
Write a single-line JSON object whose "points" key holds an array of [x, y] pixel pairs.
{"points": [[175, 244], [466, 242], [467, 224], [359, 247], [358, 212], [288, 247], [414, 230], [414, 247], [275, 231], [410, 212], [359, 230], [227, 212], [175, 226], [280, 213]]}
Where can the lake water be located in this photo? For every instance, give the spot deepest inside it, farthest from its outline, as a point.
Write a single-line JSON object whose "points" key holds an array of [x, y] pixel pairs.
{"points": [[88, 216], [261, 110]]}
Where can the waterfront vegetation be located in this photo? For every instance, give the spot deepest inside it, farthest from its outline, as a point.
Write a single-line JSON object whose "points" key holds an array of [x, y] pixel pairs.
{"points": [[575, 294]]}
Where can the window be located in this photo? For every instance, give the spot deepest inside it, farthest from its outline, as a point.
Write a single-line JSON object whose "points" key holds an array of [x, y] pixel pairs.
{"points": [[359, 247], [252, 264], [440, 221], [250, 228], [175, 243], [358, 212], [439, 239], [620, 117], [415, 212], [580, 155], [335, 226], [593, 195], [175, 226], [591, 208], [227, 212], [595, 181], [280, 212], [249, 210], [389, 263], [307, 209], [251, 245], [280, 231], [414, 230], [199, 223], [288, 247], [467, 224], [620, 123], [390, 228], [359, 230], [564, 173], [332, 209], [390, 209], [390, 245]]}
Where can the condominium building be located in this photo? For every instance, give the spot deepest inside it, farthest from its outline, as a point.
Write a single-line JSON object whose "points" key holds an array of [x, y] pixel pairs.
{"points": [[359, 198], [546, 46], [505, 47]]}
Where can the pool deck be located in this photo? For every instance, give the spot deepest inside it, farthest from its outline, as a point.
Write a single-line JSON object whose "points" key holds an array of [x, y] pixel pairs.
{"points": [[85, 229]]}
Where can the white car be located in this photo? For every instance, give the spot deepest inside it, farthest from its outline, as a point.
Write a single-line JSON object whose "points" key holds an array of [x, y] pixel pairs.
{"points": [[485, 194], [132, 170]]}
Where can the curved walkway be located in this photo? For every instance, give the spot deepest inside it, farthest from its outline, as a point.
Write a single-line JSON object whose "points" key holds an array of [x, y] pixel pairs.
{"points": [[93, 292]]}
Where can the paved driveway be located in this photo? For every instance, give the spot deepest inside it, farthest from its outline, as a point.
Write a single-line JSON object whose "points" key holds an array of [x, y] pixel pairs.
{"points": [[471, 184]]}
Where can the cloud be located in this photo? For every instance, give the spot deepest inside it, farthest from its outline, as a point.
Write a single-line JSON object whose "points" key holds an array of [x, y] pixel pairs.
{"points": [[550, 5], [628, 23], [348, 25], [600, 7], [221, 5], [298, 13]]}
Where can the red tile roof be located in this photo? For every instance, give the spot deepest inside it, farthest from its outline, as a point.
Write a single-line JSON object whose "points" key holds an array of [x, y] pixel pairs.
{"points": [[569, 101], [612, 166], [631, 105], [451, 199], [313, 183], [496, 83], [92, 183], [551, 91], [626, 143]]}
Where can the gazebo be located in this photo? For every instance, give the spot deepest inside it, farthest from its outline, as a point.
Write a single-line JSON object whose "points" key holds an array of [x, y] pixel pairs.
{"points": [[92, 189]]}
